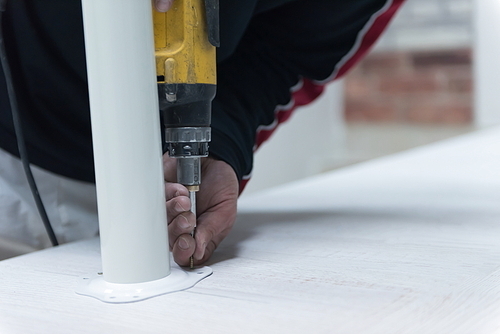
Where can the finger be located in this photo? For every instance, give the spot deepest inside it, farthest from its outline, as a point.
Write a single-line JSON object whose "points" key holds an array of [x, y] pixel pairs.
{"points": [[177, 197], [177, 206], [211, 229], [169, 168], [209, 250], [178, 201], [183, 249], [173, 190], [163, 5], [181, 224]]}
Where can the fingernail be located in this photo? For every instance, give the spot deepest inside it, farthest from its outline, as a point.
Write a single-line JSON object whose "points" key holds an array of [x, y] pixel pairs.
{"points": [[184, 223], [183, 244], [162, 6], [179, 207]]}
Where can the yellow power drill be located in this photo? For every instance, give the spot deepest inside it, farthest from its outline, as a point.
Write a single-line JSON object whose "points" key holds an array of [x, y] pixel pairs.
{"points": [[185, 40]]}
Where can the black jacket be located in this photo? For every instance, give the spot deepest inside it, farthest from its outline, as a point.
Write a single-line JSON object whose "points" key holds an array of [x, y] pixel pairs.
{"points": [[275, 55]]}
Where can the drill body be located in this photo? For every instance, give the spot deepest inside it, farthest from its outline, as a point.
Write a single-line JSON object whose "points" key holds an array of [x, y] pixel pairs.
{"points": [[185, 41]]}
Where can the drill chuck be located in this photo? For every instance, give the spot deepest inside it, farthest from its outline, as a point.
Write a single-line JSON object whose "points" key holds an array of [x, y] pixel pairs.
{"points": [[189, 171], [188, 145], [183, 142]]}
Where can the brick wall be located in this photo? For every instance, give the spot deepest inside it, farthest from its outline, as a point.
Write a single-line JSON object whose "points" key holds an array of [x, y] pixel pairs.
{"points": [[429, 87]]}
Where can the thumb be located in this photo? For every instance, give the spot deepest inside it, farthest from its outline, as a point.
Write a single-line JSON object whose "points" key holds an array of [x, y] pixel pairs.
{"points": [[212, 228]]}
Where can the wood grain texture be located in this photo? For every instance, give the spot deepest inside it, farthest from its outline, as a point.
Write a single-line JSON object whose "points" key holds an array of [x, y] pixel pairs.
{"points": [[404, 244]]}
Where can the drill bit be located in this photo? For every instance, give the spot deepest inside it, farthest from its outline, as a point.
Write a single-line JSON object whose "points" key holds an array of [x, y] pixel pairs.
{"points": [[192, 197]]}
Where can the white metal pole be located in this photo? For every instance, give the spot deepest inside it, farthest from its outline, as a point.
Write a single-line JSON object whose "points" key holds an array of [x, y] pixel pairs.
{"points": [[126, 138], [486, 62]]}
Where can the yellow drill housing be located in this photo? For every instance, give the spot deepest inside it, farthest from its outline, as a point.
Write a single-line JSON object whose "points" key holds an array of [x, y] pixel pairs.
{"points": [[182, 48]]}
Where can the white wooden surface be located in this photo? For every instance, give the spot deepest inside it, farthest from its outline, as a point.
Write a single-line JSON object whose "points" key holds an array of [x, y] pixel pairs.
{"points": [[404, 244]]}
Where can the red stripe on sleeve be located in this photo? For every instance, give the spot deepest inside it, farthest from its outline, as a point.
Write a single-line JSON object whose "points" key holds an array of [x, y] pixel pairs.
{"points": [[310, 90]]}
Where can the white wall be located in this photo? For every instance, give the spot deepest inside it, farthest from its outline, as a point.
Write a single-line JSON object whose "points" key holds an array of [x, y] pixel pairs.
{"points": [[430, 24], [304, 145], [487, 62]]}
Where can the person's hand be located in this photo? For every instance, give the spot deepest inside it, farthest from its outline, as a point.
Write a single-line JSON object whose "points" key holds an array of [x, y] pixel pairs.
{"points": [[163, 5], [216, 210]]}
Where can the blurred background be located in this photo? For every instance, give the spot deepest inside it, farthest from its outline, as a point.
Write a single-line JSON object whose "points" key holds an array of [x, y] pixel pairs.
{"points": [[433, 75]]}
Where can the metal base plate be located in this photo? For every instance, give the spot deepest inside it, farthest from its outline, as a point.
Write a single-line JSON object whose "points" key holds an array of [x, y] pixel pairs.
{"points": [[178, 280]]}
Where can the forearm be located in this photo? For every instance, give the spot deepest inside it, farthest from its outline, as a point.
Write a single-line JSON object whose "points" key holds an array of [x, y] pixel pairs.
{"points": [[283, 60], [250, 86]]}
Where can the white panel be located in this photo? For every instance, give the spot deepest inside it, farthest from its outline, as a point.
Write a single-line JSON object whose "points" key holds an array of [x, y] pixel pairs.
{"points": [[487, 64]]}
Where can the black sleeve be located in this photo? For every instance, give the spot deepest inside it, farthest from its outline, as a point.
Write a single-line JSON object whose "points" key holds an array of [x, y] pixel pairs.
{"points": [[303, 39], [267, 47]]}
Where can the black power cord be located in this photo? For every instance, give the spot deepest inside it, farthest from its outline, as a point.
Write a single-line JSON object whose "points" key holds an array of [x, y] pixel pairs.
{"points": [[19, 133]]}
